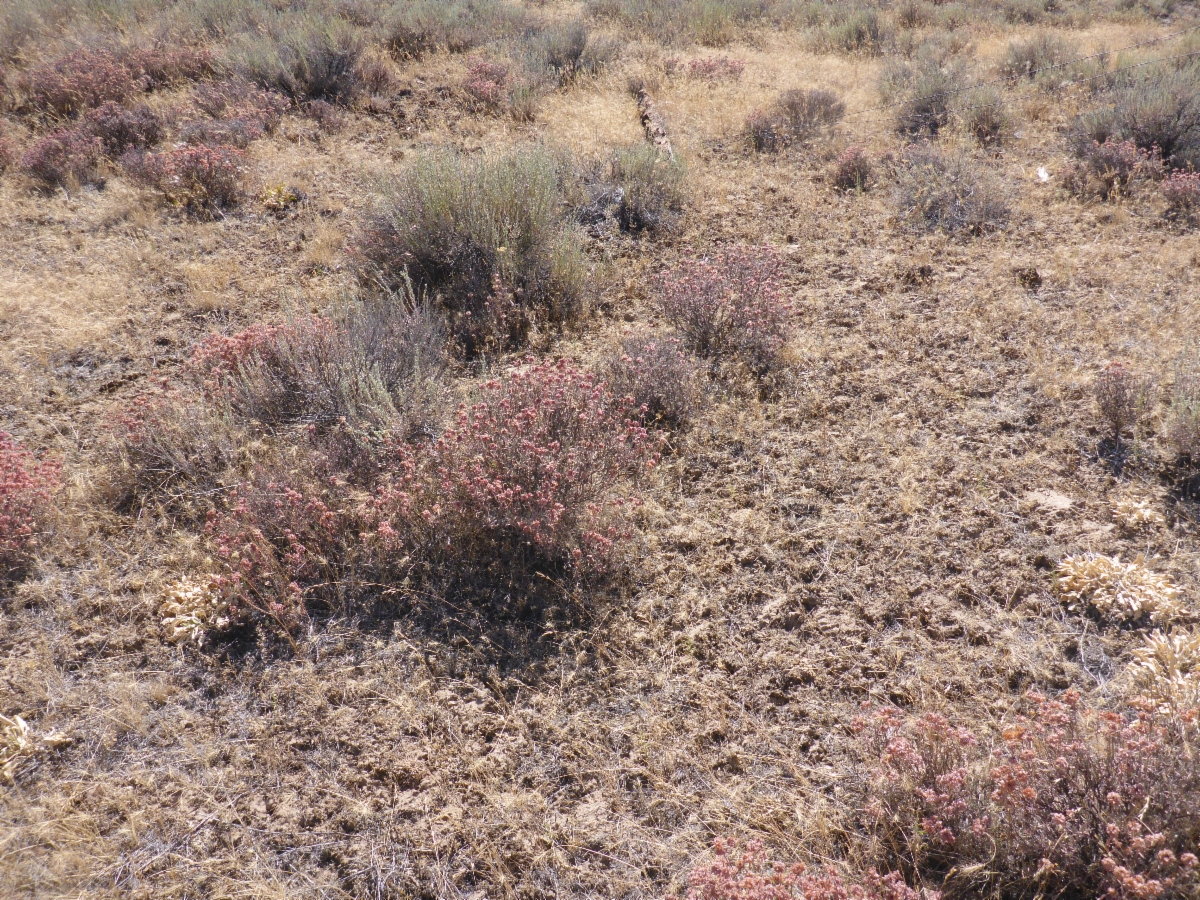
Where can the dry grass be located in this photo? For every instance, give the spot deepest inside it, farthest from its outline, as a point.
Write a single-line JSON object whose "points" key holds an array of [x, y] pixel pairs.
{"points": [[863, 525]]}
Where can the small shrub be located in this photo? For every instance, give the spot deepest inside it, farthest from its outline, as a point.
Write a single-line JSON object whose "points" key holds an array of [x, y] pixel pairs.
{"points": [[305, 60], [1183, 430], [1160, 112], [64, 157], [81, 81], [527, 479], [237, 114], [651, 187], [928, 102], [1134, 515], [985, 116], [204, 180], [1123, 399], [487, 84], [1070, 801], [1108, 170], [796, 118], [193, 608], [860, 31], [26, 488], [716, 68], [852, 170], [748, 873], [1181, 190], [560, 49], [729, 308], [120, 129], [658, 379], [486, 240], [946, 191], [1122, 592], [163, 66], [415, 27], [1024, 59]]}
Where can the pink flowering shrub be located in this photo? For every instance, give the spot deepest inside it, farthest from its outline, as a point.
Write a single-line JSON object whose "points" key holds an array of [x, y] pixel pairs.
{"points": [[852, 170], [120, 129], [656, 376], [748, 873], [529, 476], [203, 180], [232, 113], [716, 68], [729, 307], [487, 84], [1109, 169], [1181, 190], [62, 157], [1071, 801], [26, 486]]}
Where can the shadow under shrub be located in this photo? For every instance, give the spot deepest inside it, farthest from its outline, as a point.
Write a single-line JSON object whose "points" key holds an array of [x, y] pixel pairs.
{"points": [[486, 239], [938, 190]]}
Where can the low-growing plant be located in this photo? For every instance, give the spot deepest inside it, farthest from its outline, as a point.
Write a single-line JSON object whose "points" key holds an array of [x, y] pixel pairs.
{"points": [[858, 31], [748, 872], [486, 239], [1071, 800], [1117, 591], [795, 119], [413, 28], [487, 84], [1110, 169], [716, 68], [204, 180], [1166, 669], [26, 488], [729, 308], [651, 186], [81, 81], [120, 129], [305, 59], [1181, 190], [938, 190], [64, 157], [1123, 399], [10, 153], [984, 116], [853, 170], [1158, 110], [1025, 59], [928, 99], [657, 378], [236, 113], [1183, 428]]}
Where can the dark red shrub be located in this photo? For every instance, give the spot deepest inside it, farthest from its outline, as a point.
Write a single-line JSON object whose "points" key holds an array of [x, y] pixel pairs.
{"points": [[852, 170], [64, 156], [1181, 190], [749, 873], [204, 179], [120, 129], [528, 477], [26, 486], [81, 81], [1071, 801], [729, 307]]}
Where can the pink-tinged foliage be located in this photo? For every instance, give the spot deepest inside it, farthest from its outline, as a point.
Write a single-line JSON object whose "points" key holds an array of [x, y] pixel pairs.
{"points": [[487, 83], [1071, 800], [730, 307], [530, 474], [748, 873], [853, 170], [26, 488], [64, 156], [1181, 190], [654, 374], [1107, 170], [716, 68], [235, 113], [201, 179]]}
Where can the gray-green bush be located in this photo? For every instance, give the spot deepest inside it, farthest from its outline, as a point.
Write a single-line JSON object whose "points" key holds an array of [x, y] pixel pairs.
{"points": [[304, 58], [946, 191]]}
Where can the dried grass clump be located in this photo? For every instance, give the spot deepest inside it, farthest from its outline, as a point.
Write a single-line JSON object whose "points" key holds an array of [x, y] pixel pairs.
{"points": [[1066, 800], [984, 115], [193, 608], [26, 488], [940, 190], [1117, 591], [661, 381], [487, 239], [797, 118], [19, 743], [857, 31], [1167, 669], [716, 68], [1183, 429], [1137, 515], [729, 308], [413, 28]]}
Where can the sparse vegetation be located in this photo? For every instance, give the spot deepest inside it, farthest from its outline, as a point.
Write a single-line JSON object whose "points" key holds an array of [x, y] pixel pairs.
{"points": [[1123, 399], [852, 170], [651, 187], [660, 381], [204, 180], [946, 191]]}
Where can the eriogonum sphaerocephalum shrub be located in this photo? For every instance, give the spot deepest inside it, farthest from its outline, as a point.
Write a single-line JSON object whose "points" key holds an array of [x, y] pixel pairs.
{"points": [[530, 475], [749, 873], [26, 486], [730, 307], [656, 375], [1070, 801], [202, 179]]}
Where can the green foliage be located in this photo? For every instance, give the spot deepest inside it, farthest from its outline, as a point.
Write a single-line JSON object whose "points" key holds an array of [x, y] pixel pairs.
{"points": [[305, 58], [651, 188]]}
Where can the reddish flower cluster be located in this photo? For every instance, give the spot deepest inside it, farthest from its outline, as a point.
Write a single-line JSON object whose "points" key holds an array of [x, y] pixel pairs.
{"points": [[1071, 800], [1181, 190], [26, 486], [730, 307], [202, 179], [531, 468], [487, 83], [748, 873], [716, 68]]}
